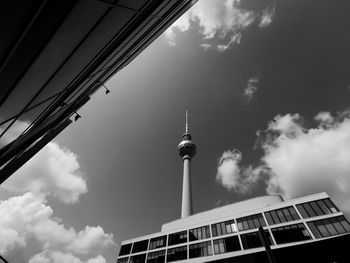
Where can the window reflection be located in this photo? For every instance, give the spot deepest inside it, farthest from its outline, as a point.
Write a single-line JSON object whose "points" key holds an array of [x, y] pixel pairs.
{"points": [[252, 240], [224, 228], [140, 246], [225, 245], [157, 242], [281, 215], [177, 253], [290, 233], [178, 238], [250, 222], [317, 208], [199, 233], [329, 227], [156, 257], [201, 250]]}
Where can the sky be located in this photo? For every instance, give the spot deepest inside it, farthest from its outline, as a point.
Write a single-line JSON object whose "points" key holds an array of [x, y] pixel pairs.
{"points": [[267, 86]]}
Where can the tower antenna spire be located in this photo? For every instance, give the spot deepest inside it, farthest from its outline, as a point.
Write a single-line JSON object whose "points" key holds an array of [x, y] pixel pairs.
{"points": [[186, 131]]}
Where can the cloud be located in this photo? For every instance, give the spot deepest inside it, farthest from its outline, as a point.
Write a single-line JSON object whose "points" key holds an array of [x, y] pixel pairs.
{"points": [[233, 177], [267, 16], [305, 161], [28, 216], [27, 220], [182, 25], [52, 171], [251, 88], [223, 20], [298, 160], [59, 257], [90, 240]]}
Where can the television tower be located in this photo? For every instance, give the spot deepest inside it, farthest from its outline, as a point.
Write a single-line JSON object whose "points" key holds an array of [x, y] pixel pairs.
{"points": [[187, 150]]}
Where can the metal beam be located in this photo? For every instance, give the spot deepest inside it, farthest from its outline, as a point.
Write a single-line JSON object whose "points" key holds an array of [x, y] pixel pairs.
{"points": [[3, 259]]}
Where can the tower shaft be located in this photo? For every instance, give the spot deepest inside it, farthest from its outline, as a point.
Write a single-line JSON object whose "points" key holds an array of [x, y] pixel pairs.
{"points": [[186, 209]]}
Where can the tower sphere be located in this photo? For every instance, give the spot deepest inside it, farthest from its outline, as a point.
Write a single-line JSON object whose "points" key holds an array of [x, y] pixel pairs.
{"points": [[187, 147]]}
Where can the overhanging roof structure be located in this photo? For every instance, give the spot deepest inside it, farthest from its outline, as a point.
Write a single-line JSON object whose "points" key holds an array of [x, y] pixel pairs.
{"points": [[54, 54]]}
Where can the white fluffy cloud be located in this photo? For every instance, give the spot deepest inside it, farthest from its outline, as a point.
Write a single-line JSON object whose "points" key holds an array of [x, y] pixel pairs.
{"points": [[28, 216], [17, 214], [305, 161], [52, 171], [90, 240], [301, 161], [224, 20], [48, 256], [232, 176]]}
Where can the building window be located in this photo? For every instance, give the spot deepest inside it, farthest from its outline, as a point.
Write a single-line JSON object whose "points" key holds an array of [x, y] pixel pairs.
{"points": [[281, 215], [123, 260], [252, 240], [178, 238], [250, 222], [225, 245], [199, 233], [177, 253], [138, 258], [291, 233], [224, 228], [201, 250], [317, 208], [125, 249], [156, 257], [140, 246], [329, 227], [157, 242]]}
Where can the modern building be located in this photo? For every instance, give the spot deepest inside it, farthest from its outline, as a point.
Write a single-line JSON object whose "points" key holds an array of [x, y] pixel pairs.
{"points": [[262, 229], [55, 54]]}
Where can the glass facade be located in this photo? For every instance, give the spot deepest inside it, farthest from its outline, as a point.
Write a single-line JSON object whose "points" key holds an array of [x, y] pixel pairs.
{"points": [[178, 253], [329, 227], [281, 215], [156, 257], [224, 228], [201, 250], [227, 236], [123, 260], [140, 246], [178, 238], [225, 245], [250, 222], [157, 242], [290, 233], [199, 233], [317, 208], [252, 240], [138, 258], [125, 249]]}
